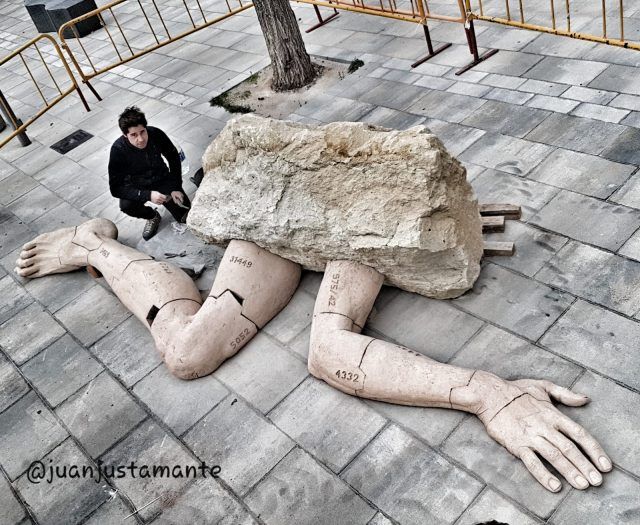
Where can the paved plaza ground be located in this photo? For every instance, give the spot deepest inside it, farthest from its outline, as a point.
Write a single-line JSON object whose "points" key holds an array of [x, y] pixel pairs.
{"points": [[549, 123]]}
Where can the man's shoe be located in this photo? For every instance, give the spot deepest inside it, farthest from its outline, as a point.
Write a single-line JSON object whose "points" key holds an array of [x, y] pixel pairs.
{"points": [[151, 227]]}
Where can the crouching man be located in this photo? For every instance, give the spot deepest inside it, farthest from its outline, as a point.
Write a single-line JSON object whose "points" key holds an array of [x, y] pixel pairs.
{"points": [[138, 173]]}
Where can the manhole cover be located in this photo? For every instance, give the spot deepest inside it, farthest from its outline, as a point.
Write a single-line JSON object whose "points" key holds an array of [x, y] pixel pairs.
{"points": [[71, 141]]}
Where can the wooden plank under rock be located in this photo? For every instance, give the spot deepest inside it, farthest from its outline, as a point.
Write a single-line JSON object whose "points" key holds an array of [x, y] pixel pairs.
{"points": [[492, 248], [510, 211], [493, 224]]}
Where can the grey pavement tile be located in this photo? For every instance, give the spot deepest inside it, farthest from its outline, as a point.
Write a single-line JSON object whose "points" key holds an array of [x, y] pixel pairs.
{"points": [[455, 137], [329, 424], [128, 351], [617, 501], [577, 133], [599, 339], [205, 502], [391, 118], [611, 417], [300, 343], [503, 81], [60, 172], [444, 106], [298, 490], [543, 87], [510, 63], [66, 500], [510, 357], [294, 318], [559, 105], [492, 507], [508, 96], [618, 78], [310, 281], [593, 96], [409, 481], [533, 247], [551, 45], [12, 510], [624, 147], [34, 203], [82, 190], [399, 75], [244, 445], [380, 519], [92, 314], [36, 160], [507, 119], [100, 414], [431, 327], [28, 430], [12, 386], [431, 425], [582, 173], [62, 216], [432, 82], [61, 369], [6, 169], [589, 220], [114, 510], [595, 275], [604, 113], [149, 445], [15, 186], [472, 447], [624, 101], [14, 298], [55, 291], [632, 119], [262, 372], [631, 248], [14, 233], [28, 332], [502, 37], [201, 131], [467, 88], [335, 109], [506, 153], [567, 71], [177, 402], [352, 86], [516, 303]]}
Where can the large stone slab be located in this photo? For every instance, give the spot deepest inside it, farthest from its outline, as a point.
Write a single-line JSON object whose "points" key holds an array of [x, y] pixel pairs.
{"points": [[393, 200]]}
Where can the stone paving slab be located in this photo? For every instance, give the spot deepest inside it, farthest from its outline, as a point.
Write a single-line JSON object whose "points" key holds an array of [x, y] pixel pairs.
{"points": [[592, 221], [595, 275], [409, 481], [490, 506], [317, 496], [64, 500], [12, 385], [12, 510], [327, 423]]}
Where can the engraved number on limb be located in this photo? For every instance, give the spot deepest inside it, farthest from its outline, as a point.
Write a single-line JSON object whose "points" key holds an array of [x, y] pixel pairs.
{"points": [[241, 260], [335, 283], [238, 340], [349, 376]]}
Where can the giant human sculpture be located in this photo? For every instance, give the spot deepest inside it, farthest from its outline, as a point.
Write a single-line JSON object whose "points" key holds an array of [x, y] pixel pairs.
{"points": [[442, 241]]}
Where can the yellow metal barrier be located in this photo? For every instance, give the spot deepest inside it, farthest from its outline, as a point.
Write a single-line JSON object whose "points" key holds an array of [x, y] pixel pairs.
{"points": [[48, 86], [554, 16], [128, 43], [417, 11]]}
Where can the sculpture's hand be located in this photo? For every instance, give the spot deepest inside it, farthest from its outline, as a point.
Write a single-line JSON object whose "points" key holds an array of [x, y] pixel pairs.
{"points": [[520, 416]]}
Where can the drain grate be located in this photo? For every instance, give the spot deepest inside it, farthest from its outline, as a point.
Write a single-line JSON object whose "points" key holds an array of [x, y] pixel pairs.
{"points": [[71, 141]]}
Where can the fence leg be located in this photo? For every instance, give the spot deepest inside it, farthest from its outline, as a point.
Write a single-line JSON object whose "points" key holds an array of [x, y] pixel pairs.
{"points": [[13, 120], [473, 48], [95, 93], [432, 53], [321, 21]]}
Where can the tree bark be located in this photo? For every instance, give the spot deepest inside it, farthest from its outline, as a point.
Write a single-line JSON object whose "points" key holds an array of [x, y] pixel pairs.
{"points": [[292, 67]]}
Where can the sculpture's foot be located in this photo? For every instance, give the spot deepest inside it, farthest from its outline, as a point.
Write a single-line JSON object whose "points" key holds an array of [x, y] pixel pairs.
{"points": [[63, 250]]}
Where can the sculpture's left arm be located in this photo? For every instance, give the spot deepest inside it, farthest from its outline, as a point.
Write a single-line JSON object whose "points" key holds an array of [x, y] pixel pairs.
{"points": [[517, 414]]}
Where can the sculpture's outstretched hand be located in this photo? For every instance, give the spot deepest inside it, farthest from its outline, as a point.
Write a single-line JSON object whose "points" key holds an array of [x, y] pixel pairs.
{"points": [[520, 416]]}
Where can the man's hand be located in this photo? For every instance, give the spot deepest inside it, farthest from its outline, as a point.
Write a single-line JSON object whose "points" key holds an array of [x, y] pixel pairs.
{"points": [[158, 198], [520, 416], [177, 197]]}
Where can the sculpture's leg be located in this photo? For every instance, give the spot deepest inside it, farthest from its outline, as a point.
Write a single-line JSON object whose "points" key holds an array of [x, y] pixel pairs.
{"points": [[517, 414], [251, 287]]}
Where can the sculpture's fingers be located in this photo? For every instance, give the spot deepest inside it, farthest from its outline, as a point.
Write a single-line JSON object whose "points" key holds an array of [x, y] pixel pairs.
{"points": [[25, 263], [30, 245], [538, 470], [586, 441], [26, 272], [570, 451], [26, 254], [561, 464], [564, 395]]}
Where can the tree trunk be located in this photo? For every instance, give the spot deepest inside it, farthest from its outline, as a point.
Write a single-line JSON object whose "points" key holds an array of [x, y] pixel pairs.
{"points": [[292, 67]]}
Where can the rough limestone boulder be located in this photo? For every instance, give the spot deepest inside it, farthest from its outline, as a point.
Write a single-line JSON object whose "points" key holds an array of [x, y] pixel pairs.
{"points": [[394, 200]]}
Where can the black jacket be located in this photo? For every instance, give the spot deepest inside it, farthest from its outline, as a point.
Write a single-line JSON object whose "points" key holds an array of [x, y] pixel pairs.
{"points": [[134, 172]]}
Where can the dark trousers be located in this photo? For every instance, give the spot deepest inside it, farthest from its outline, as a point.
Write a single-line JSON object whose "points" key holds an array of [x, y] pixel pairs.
{"points": [[139, 210]]}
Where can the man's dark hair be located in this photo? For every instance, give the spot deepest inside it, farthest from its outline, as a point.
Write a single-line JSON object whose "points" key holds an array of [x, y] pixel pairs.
{"points": [[130, 118]]}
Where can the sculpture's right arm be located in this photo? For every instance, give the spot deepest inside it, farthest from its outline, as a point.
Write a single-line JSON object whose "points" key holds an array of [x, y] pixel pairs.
{"points": [[517, 414]]}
